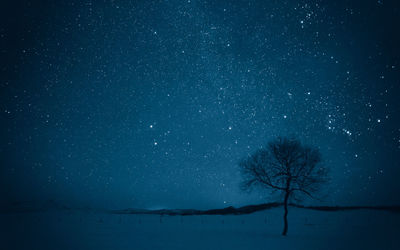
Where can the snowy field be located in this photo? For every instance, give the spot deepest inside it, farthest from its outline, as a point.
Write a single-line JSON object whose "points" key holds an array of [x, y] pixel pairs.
{"points": [[363, 229]]}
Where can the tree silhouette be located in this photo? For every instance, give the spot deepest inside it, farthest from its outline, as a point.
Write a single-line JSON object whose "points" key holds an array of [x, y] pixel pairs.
{"points": [[286, 166]]}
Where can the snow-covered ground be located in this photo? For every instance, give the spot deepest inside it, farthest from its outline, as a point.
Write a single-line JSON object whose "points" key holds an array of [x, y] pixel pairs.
{"points": [[363, 229]]}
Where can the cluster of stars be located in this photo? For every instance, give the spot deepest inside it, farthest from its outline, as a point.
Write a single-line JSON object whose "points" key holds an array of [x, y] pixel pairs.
{"points": [[168, 96]]}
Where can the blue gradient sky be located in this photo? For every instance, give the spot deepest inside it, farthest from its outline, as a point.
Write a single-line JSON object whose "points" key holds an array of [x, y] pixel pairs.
{"points": [[153, 103]]}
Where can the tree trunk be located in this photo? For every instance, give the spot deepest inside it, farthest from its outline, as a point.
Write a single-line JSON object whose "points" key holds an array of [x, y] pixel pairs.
{"points": [[285, 228]]}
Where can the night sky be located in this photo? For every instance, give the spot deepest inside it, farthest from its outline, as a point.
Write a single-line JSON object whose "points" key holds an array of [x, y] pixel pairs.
{"points": [[151, 104]]}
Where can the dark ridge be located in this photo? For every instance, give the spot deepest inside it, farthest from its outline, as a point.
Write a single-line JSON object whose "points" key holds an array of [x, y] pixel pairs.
{"points": [[222, 211], [243, 210]]}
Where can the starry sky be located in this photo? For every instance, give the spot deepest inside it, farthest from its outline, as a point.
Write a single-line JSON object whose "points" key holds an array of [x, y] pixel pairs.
{"points": [[151, 104]]}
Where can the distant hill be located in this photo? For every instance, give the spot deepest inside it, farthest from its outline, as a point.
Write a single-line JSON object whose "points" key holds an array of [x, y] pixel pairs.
{"points": [[222, 211]]}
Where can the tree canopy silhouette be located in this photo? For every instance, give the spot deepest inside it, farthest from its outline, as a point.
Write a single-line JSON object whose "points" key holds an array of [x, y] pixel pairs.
{"points": [[287, 166]]}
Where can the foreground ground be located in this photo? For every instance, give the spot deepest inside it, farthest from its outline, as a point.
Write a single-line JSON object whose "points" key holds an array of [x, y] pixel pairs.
{"points": [[361, 229]]}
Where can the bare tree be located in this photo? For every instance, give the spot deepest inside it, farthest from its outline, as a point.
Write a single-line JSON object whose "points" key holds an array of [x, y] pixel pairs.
{"points": [[286, 166]]}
